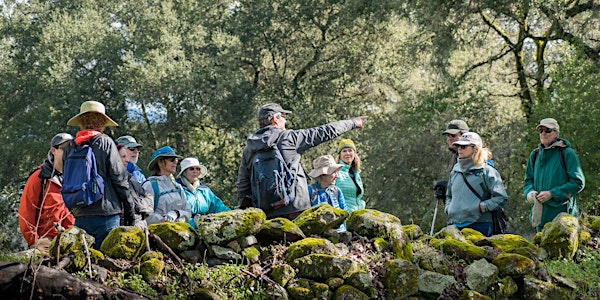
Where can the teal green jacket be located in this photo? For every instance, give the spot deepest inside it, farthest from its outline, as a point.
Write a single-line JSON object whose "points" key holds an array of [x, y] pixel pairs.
{"points": [[345, 184], [549, 175]]}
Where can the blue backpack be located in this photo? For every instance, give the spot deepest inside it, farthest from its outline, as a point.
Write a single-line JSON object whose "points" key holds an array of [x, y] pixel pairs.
{"points": [[273, 184], [81, 183]]}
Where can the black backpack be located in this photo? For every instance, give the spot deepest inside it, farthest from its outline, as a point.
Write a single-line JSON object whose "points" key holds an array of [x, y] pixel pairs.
{"points": [[272, 182]]}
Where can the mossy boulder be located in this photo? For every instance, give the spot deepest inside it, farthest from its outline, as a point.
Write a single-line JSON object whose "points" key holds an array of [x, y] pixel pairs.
{"points": [[300, 289], [413, 231], [505, 288], [401, 279], [363, 282], [310, 246], [323, 266], [334, 282], [466, 251], [151, 266], [511, 243], [79, 261], [451, 232], [282, 274], [480, 275], [347, 292], [71, 240], [126, 242], [561, 237], [536, 289], [223, 227], [433, 283], [179, 236], [372, 224], [318, 219], [514, 265], [472, 235], [279, 230], [429, 258]]}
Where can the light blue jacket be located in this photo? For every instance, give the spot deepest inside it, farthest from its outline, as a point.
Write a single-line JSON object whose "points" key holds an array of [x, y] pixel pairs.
{"points": [[345, 183], [202, 201], [136, 172], [463, 206]]}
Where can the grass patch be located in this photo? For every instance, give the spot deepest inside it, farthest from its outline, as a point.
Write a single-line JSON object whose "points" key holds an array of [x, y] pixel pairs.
{"points": [[584, 271]]}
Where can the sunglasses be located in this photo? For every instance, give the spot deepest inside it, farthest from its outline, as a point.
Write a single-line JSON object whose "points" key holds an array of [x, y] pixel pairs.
{"points": [[464, 146], [171, 159], [194, 168], [545, 130], [451, 135], [133, 149]]}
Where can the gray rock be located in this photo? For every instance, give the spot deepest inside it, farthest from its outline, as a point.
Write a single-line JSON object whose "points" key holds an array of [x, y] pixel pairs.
{"points": [[480, 275], [225, 253], [432, 282]]}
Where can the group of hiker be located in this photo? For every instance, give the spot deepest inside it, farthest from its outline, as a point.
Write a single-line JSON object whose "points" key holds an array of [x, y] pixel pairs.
{"points": [[93, 182], [115, 192], [475, 193]]}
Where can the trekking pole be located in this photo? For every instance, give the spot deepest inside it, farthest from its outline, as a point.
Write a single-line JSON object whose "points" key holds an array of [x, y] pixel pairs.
{"points": [[434, 215]]}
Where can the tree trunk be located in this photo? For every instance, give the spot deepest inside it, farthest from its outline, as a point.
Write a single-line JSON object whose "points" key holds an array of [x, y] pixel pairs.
{"points": [[16, 283]]}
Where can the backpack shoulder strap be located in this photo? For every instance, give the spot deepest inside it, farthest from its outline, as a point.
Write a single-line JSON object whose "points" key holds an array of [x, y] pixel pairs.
{"points": [[154, 184], [536, 152], [561, 151]]}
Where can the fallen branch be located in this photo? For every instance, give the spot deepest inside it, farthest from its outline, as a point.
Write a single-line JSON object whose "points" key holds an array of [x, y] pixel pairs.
{"points": [[17, 279], [262, 276]]}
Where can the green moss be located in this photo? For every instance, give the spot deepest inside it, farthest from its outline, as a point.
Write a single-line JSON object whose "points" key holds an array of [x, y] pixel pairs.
{"points": [[251, 222], [300, 289], [320, 218], [463, 250], [349, 292], [472, 235], [152, 254], [323, 266], [124, 242], [152, 269], [413, 231], [252, 254], [282, 274], [334, 282], [380, 244], [401, 279], [514, 265], [178, 235], [309, 245]]}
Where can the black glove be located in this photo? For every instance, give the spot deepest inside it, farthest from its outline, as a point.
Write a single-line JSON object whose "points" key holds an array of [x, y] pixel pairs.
{"points": [[440, 189]]}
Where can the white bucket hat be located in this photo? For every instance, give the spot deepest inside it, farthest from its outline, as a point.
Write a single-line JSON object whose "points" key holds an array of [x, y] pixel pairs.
{"points": [[193, 162], [324, 165], [91, 106]]}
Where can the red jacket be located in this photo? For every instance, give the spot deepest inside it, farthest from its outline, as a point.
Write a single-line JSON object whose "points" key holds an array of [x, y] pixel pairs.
{"points": [[52, 210]]}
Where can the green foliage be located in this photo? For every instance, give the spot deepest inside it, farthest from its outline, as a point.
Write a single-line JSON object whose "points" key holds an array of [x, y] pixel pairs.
{"points": [[133, 281], [11, 239], [584, 272]]}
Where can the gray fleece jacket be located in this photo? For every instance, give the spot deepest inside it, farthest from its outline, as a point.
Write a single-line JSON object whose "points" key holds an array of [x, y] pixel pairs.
{"points": [[292, 144]]}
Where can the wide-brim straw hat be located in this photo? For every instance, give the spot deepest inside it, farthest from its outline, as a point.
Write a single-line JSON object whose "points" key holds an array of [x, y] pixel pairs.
{"points": [[193, 162], [91, 106], [324, 165], [165, 151]]}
